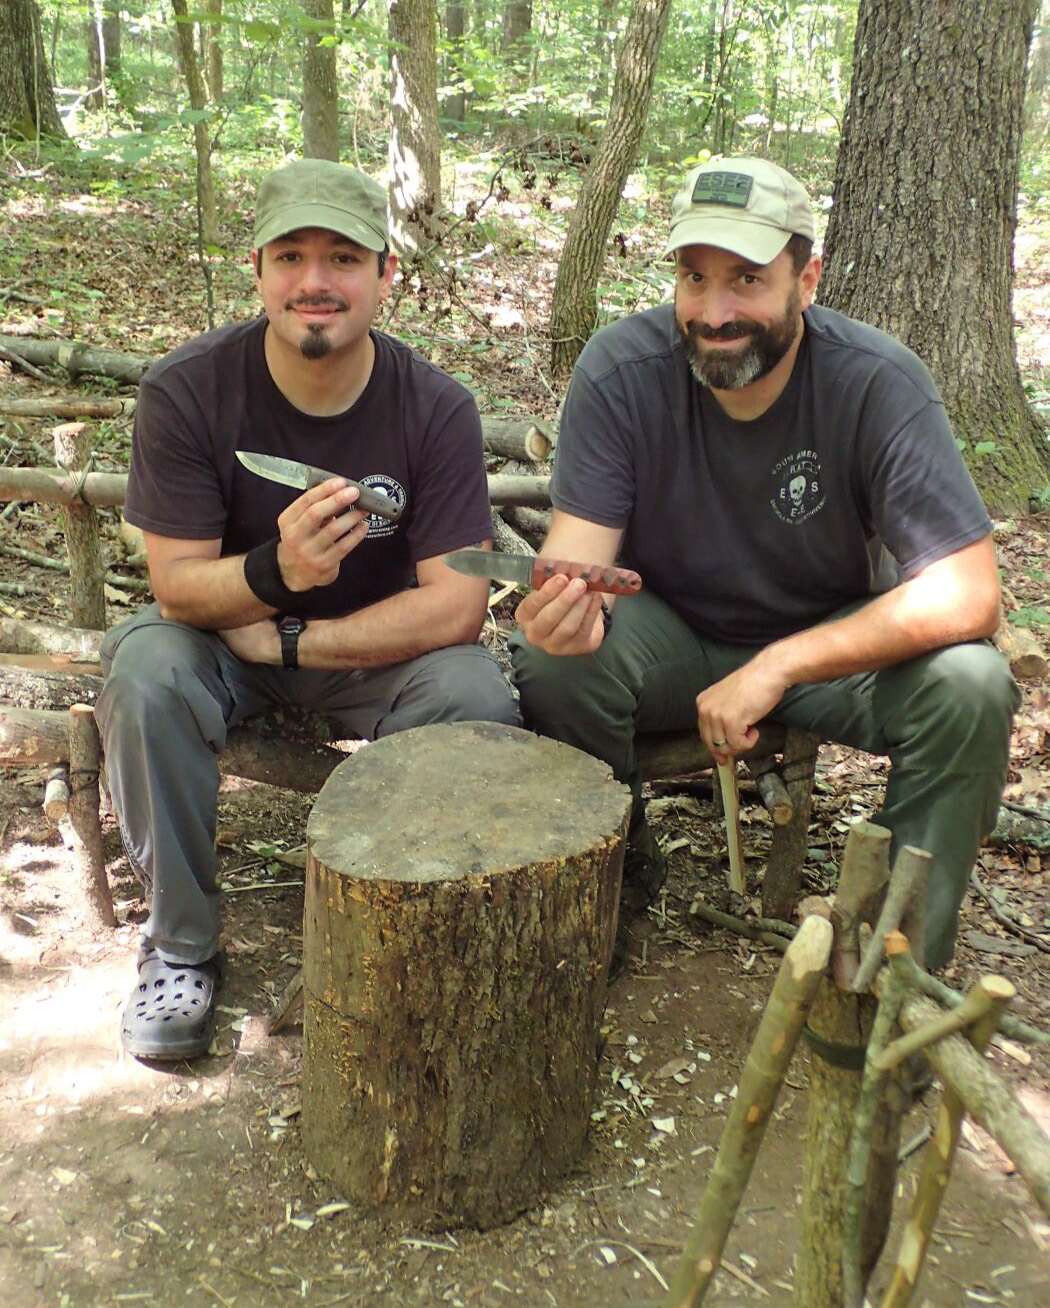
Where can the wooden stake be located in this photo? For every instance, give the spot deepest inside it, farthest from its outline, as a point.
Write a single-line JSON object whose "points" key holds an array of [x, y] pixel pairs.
{"points": [[839, 1025], [990, 997], [872, 1088], [84, 755], [731, 808], [907, 881], [83, 546], [987, 1100], [800, 973]]}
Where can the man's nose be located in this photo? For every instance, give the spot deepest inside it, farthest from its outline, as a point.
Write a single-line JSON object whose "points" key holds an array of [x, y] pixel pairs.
{"points": [[717, 308], [315, 276]]}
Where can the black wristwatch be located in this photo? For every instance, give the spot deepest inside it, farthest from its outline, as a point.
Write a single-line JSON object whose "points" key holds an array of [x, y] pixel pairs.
{"points": [[290, 629]]}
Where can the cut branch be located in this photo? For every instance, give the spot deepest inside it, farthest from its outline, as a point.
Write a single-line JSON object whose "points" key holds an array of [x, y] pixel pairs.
{"points": [[800, 973]]}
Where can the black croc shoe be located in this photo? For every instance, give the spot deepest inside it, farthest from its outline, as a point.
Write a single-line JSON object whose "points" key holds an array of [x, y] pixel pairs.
{"points": [[170, 1015]]}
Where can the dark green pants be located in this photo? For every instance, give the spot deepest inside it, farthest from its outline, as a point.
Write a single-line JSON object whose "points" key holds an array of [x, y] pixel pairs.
{"points": [[942, 719]]}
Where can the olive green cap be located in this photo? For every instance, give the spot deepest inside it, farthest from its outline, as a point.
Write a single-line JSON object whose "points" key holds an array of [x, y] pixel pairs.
{"points": [[751, 207], [320, 193]]}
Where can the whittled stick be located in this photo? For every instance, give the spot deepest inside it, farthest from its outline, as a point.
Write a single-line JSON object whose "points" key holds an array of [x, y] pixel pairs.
{"points": [[801, 970]]}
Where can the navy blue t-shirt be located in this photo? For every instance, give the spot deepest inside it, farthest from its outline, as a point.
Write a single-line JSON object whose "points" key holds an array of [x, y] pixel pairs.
{"points": [[754, 530]]}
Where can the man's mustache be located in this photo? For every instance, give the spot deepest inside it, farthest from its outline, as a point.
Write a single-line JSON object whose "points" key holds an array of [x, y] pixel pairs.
{"points": [[731, 331], [315, 302]]}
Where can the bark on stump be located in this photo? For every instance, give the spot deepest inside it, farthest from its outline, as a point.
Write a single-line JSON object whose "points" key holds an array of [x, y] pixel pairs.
{"points": [[461, 898]]}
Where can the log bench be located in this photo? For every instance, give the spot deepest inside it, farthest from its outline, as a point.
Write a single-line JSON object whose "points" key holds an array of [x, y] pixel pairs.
{"points": [[43, 722]]}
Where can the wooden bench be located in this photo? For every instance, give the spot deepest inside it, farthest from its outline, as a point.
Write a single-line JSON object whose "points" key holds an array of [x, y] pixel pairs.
{"points": [[44, 721]]}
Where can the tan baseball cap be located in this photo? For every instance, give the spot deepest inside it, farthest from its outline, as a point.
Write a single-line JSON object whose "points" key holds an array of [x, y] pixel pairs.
{"points": [[320, 193], [749, 206]]}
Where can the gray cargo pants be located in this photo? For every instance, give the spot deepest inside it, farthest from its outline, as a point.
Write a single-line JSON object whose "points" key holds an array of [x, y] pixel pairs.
{"points": [[943, 719], [171, 694]]}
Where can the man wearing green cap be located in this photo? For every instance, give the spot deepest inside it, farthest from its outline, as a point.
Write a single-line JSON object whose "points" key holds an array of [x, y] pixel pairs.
{"points": [[787, 484], [269, 595]]}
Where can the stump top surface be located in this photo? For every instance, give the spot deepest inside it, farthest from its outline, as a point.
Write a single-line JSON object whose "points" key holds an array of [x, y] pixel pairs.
{"points": [[448, 801]]}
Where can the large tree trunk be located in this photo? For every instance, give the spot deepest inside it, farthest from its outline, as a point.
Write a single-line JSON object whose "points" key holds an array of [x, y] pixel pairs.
{"points": [[320, 83], [415, 133], [27, 98], [924, 249], [574, 309]]}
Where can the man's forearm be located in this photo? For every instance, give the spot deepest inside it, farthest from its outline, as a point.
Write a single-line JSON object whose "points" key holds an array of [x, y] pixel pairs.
{"points": [[209, 593], [400, 627], [900, 625]]}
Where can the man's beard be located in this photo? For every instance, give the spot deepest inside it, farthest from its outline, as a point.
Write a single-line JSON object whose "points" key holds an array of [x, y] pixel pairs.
{"points": [[315, 344], [724, 370]]}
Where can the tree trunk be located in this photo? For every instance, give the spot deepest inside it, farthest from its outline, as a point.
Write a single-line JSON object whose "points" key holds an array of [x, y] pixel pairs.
{"points": [[517, 26], [925, 249], [216, 85], [209, 223], [455, 29], [320, 83], [27, 98], [415, 133], [103, 49], [574, 309]]}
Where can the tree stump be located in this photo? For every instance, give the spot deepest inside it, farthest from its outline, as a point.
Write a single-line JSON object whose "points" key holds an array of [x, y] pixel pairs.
{"points": [[461, 897]]}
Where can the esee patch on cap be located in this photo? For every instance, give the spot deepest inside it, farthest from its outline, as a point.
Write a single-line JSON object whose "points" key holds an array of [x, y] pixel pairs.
{"points": [[723, 188], [749, 206]]}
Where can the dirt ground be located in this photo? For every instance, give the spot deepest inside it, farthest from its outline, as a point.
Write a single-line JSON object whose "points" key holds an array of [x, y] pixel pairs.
{"points": [[122, 1183], [126, 1183]]}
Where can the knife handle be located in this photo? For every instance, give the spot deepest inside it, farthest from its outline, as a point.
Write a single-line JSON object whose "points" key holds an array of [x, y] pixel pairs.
{"points": [[610, 580], [369, 501]]}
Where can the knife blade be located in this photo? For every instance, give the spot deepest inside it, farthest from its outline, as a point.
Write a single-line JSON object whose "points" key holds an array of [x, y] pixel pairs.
{"points": [[302, 476], [531, 570]]}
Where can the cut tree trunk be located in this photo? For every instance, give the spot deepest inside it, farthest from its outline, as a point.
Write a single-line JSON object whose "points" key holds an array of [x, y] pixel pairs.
{"points": [[461, 896], [839, 1026], [76, 358], [108, 489]]}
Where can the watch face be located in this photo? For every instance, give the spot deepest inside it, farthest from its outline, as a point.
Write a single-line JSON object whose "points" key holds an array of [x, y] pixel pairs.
{"points": [[293, 626]]}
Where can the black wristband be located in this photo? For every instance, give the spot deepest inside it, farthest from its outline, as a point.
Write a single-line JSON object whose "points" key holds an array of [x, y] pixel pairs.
{"points": [[606, 618], [263, 575]]}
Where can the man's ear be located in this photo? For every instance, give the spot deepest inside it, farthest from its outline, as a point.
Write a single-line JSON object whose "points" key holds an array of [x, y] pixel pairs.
{"points": [[388, 275], [257, 262], [809, 278]]}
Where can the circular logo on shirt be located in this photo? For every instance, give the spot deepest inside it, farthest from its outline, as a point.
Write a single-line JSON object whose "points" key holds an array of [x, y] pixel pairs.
{"points": [[379, 481], [798, 493]]}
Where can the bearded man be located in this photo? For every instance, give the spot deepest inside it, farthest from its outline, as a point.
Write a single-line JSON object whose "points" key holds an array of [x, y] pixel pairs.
{"points": [[813, 549]]}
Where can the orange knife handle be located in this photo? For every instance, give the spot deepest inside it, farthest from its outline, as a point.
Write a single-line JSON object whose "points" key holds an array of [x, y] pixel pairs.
{"points": [[609, 580]]}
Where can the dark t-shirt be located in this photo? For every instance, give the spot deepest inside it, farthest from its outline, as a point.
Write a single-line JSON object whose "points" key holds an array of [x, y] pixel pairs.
{"points": [[414, 433], [754, 530]]}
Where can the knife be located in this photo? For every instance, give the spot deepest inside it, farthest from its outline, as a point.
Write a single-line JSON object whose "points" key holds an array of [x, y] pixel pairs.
{"points": [[530, 570], [303, 475]]}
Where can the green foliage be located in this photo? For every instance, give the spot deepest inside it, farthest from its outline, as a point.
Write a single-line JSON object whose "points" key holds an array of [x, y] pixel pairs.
{"points": [[1030, 616]]}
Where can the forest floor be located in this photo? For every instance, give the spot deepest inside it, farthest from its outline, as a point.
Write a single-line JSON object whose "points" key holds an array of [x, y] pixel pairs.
{"points": [[124, 1183]]}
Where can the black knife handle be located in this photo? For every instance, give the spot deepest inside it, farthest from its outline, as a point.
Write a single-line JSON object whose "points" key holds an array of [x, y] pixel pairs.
{"points": [[369, 501]]}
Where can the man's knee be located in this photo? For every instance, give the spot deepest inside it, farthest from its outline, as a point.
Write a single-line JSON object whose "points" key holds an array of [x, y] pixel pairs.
{"points": [[549, 686], [152, 682], [460, 684], [962, 692]]}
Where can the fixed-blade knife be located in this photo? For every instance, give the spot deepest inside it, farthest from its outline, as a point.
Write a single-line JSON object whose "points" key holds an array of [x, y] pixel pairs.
{"points": [[530, 570], [302, 476]]}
